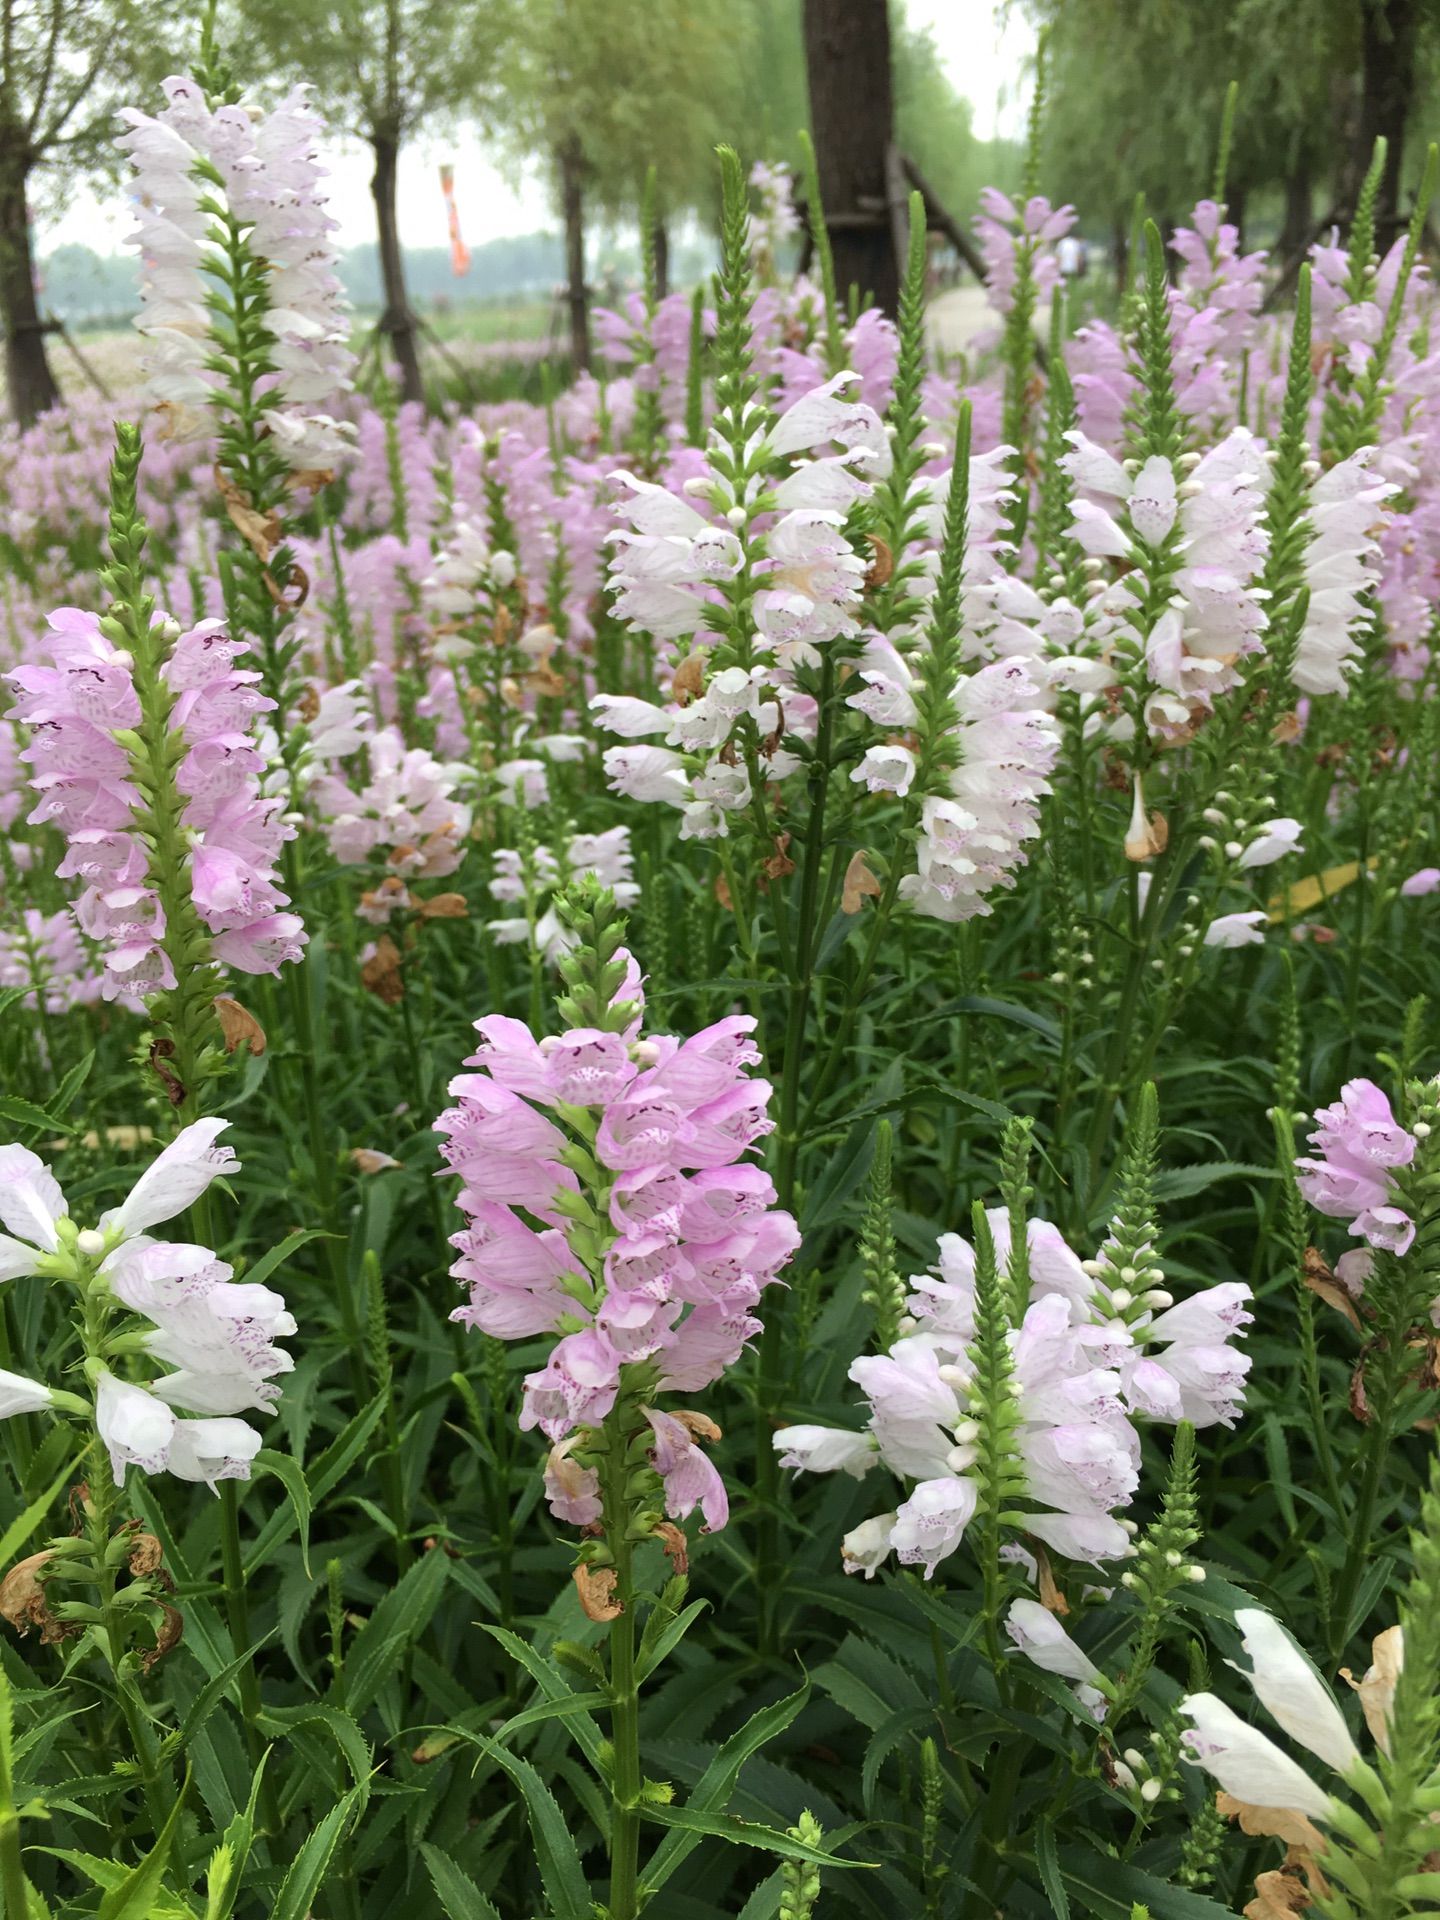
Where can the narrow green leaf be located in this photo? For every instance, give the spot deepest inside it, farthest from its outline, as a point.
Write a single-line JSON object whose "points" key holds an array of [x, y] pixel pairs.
{"points": [[556, 1854], [205, 1703], [268, 1262], [291, 1475], [553, 1684], [136, 1896], [226, 1871], [25, 1524], [743, 1833], [455, 1890], [715, 1785], [312, 1863], [397, 1623], [1048, 1863]]}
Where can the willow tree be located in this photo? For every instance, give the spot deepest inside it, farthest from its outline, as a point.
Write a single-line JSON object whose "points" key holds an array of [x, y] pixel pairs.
{"points": [[384, 71], [605, 92], [1136, 95], [66, 66]]}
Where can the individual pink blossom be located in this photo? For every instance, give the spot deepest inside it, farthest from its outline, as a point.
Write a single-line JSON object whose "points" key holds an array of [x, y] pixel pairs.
{"points": [[1359, 1143]]}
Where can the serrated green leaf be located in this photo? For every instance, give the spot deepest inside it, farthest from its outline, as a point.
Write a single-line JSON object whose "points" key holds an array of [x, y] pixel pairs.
{"points": [[457, 1893], [742, 1833], [311, 1865], [1047, 1862], [136, 1896], [291, 1476], [396, 1624], [715, 1785], [556, 1854]]}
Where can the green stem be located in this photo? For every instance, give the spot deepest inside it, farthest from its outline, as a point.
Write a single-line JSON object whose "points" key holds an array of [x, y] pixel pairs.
{"points": [[237, 1614], [100, 1523], [12, 1867], [798, 994], [624, 1690], [1362, 1522]]}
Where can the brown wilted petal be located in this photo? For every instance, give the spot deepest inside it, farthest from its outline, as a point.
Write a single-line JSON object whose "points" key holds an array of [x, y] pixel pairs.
{"points": [[676, 1546], [380, 974], [882, 562], [779, 864], [1278, 1896], [698, 1425], [1279, 1823], [22, 1594], [1050, 1595], [722, 893], [543, 680], [168, 1635], [1377, 1689], [1147, 838], [145, 1554], [260, 531], [312, 477], [688, 682], [444, 906], [596, 1588], [238, 1026], [860, 885], [294, 593], [1319, 1279], [371, 1160], [161, 1053]]}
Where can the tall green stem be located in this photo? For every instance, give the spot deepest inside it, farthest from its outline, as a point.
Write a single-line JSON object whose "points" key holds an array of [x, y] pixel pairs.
{"points": [[624, 1689]]}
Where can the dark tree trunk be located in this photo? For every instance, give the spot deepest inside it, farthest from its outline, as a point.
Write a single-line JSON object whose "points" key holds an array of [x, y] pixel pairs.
{"points": [[1120, 258], [1296, 227], [662, 259], [1235, 212], [27, 371], [397, 322], [852, 112], [1387, 80], [571, 161]]}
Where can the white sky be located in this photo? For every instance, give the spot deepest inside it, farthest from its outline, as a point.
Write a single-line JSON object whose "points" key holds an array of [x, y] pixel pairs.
{"points": [[983, 45]]}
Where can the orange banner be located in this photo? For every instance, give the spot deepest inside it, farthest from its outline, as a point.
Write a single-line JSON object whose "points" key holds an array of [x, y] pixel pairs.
{"points": [[459, 252]]}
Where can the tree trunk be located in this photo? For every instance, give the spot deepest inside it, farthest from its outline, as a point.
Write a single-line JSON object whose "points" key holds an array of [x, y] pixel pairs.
{"points": [[397, 321], [662, 259], [571, 162], [1235, 213], [847, 60], [27, 371], [1120, 258], [1297, 225], [1387, 79]]}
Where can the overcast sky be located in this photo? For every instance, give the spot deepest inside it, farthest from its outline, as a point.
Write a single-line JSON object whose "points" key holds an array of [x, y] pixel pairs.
{"points": [[983, 58]]}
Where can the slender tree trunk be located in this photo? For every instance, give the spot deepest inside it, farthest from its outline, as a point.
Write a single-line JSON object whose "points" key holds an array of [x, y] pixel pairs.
{"points": [[1387, 81], [1295, 228], [571, 162], [852, 112], [397, 321], [662, 259], [28, 377], [1235, 212], [1120, 258]]}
